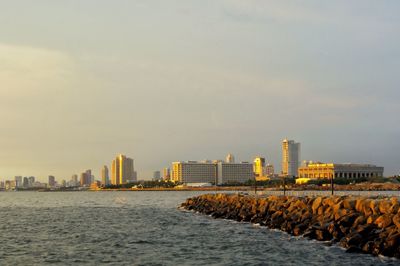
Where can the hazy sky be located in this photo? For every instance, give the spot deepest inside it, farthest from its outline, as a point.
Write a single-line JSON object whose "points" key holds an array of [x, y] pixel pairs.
{"points": [[162, 81]]}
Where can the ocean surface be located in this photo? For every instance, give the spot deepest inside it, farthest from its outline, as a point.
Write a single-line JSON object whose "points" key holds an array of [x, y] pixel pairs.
{"points": [[145, 228]]}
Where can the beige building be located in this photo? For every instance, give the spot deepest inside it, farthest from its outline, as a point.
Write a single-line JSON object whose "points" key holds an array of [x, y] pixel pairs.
{"points": [[194, 172], [230, 158], [332, 170], [259, 167], [290, 157], [122, 170], [211, 172]]}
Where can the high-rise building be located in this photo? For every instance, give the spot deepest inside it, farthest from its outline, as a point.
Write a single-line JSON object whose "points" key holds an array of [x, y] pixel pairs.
{"points": [[290, 157], [105, 179], [259, 167], [74, 181], [31, 181], [86, 178], [52, 181], [230, 158], [166, 174], [25, 183], [156, 175], [269, 170], [122, 170], [18, 181]]}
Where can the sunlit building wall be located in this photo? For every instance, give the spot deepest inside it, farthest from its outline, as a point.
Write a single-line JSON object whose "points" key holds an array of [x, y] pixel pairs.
{"points": [[122, 170], [290, 157], [259, 166], [194, 172], [230, 158], [332, 170]]}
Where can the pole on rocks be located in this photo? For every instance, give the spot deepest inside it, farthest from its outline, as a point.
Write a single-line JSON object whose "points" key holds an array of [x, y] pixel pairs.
{"points": [[284, 185], [332, 189], [255, 186]]}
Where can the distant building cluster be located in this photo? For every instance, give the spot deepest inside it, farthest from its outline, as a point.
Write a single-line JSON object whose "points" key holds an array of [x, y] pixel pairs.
{"points": [[219, 172], [122, 172], [228, 171]]}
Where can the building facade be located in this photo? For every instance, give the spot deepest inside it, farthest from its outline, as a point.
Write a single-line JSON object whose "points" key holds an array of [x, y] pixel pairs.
{"points": [[290, 157], [259, 167], [52, 181], [194, 172], [86, 178], [332, 170], [211, 172], [18, 181], [105, 178], [230, 158], [166, 174], [233, 173], [122, 170], [156, 175], [269, 170]]}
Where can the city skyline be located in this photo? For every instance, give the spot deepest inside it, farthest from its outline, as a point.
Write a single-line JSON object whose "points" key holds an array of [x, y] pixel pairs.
{"points": [[168, 81]]}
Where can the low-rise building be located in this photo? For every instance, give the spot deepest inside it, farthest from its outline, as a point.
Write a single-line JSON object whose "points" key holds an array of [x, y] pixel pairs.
{"points": [[194, 172], [334, 170], [212, 172], [234, 172]]}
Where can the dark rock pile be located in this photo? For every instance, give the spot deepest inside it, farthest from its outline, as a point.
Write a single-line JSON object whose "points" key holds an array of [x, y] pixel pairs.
{"points": [[359, 224]]}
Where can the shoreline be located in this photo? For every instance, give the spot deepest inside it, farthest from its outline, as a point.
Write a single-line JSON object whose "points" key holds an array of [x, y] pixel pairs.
{"points": [[359, 224]]}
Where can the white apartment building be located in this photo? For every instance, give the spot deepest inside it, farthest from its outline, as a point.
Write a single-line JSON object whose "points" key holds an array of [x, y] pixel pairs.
{"points": [[194, 172], [211, 172]]}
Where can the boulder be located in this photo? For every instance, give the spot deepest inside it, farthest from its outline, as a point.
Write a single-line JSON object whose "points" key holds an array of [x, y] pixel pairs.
{"points": [[384, 207], [384, 221], [316, 204], [396, 220], [349, 203]]}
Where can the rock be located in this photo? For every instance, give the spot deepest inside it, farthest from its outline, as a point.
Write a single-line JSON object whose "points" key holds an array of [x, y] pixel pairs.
{"points": [[391, 245], [384, 220], [359, 224], [371, 219], [396, 220], [316, 204], [367, 208], [359, 220], [354, 249], [354, 240], [384, 207], [349, 204], [322, 235]]}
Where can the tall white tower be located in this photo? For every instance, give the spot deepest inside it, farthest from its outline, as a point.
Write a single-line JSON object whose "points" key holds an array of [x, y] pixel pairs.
{"points": [[290, 157], [230, 158]]}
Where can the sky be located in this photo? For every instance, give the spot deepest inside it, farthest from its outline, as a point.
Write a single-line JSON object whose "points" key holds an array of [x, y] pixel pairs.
{"points": [[164, 81]]}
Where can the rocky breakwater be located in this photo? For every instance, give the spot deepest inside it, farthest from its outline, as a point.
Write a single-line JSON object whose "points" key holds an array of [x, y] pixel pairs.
{"points": [[359, 224]]}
